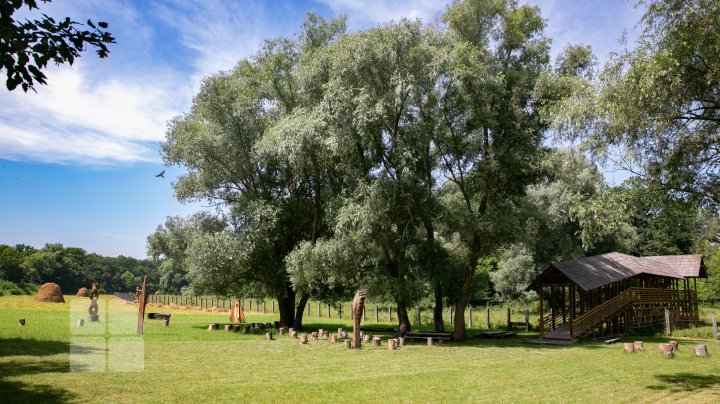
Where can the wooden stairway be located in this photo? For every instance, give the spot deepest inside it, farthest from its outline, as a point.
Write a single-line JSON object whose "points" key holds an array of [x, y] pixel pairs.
{"points": [[585, 323]]}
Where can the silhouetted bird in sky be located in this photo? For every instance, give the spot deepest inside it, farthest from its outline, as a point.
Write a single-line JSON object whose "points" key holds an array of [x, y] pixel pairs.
{"points": [[162, 174]]}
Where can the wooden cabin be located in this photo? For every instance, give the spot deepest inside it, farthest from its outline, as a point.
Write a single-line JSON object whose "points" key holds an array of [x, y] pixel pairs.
{"points": [[613, 293]]}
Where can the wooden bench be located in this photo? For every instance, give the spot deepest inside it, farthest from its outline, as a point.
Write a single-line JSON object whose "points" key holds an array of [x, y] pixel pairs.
{"points": [[158, 316]]}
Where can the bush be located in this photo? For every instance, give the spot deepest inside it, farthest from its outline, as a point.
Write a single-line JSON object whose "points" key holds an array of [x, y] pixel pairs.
{"points": [[20, 288]]}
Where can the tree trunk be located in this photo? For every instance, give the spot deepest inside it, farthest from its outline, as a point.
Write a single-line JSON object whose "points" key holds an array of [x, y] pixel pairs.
{"points": [[459, 332], [403, 318], [286, 306], [297, 324], [437, 311]]}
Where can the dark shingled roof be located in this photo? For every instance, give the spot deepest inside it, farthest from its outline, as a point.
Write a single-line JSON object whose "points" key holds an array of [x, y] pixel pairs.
{"points": [[593, 272]]}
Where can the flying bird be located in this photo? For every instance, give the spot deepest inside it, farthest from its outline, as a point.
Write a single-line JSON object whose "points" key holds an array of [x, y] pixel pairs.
{"points": [[161, 175]]}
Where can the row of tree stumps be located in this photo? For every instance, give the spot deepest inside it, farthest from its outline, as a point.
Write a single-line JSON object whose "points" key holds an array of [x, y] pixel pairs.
{"points": [[667, 349]]}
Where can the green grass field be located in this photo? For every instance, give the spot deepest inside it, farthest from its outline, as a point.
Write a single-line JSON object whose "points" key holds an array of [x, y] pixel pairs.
{"points": [[185, 362]]}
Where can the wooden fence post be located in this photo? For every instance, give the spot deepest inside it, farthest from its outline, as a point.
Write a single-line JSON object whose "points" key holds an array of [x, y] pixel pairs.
{"points": [[668, 329], [487, 317], [250, 302], [450, 315], [308, 309], [527, 319], [389, 314], [470, 315], [714, 324], [340, 311], [508, 317], [273, 306], [418, 315], [377, 314]]}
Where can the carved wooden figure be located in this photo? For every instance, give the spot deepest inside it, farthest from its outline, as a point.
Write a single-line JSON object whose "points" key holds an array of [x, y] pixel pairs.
{"points": [[358, 305]]}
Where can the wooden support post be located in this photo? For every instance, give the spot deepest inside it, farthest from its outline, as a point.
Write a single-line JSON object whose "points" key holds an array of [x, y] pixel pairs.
{"points": [[508, 317], [141, 307], [470, 315], [250, 305], [572, 308], [451, 316], [552, 307], [328, 310], [273, 306], [418, 315], [487, 317], [542, 314], [318, 309], [308, 309], [668, 329], [340, 310], [377, 314], [389, 314]]}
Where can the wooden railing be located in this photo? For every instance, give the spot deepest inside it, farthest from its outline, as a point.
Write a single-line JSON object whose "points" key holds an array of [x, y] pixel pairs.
{"points": [[631, 296]]}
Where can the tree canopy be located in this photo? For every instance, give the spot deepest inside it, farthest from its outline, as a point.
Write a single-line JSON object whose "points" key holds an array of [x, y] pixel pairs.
{"points": [[27, 47]]}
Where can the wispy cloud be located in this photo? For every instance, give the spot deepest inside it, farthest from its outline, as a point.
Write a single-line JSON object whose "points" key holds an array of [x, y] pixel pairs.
{"points": [[362, 13]]}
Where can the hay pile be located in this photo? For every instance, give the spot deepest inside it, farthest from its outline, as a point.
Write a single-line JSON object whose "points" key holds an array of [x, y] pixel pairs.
{"points": [[82, 292], [51, 293]]}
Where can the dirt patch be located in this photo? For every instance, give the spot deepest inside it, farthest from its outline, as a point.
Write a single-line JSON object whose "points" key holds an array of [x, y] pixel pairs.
{"points": [[82, 292], [51, 293]]}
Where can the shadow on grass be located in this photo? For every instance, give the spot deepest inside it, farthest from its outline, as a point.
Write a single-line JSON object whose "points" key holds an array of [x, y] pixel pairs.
{"points": [[685, 382], [15, 391]]}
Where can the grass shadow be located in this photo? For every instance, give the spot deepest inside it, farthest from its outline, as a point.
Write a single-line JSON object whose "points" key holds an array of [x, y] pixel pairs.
{"points": [[32, 347], [19, 392], [685, 382]]}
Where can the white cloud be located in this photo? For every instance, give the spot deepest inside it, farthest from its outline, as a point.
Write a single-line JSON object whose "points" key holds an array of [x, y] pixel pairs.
{"points": [[362, 13]]}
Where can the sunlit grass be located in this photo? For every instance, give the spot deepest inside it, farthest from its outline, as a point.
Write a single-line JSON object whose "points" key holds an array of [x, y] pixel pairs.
{"points": [[185, 362]]}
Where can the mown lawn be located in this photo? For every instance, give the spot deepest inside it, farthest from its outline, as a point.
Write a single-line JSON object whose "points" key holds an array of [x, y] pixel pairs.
{"points": [[185, 362]]}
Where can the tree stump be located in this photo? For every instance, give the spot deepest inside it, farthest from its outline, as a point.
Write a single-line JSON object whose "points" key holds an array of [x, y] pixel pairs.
{"points": [[281, 330], [256, 330], [376, 341], [333, 338], [343, 334], [665, 349], [293, 333], [700, 350], [246, 329], [268, 335], [81, 322], [303, 338], [326, 334], [639, 346], [166, 322], [391, 344], [228, 327], [347, 344], [321, 332], [367, 337], [340, 330], [429, 341], [674, 344], [212, 327], [401, 341], [629, 347], [314, 336]]}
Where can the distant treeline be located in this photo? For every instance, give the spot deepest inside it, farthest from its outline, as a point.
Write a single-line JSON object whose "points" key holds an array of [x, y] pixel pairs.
{"points": [[73, 268]]}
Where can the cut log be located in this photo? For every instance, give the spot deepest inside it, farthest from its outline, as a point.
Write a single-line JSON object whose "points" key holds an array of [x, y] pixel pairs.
{"points": [[675, 346], [314, 336], [367, 337], [639, 346], [293, 333], [376, 341], [303, 338], [629, 347], [391, 344], [700, 350], [333, 338], [228, 327], [666, 349], [347, 344], [81, 322], [269, 336], [281, 330], [429, 341], [246, 329], [401, 341], [212, 327]]}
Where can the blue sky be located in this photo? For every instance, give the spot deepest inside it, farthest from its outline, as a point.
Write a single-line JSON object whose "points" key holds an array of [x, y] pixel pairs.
{"points": [[78, 159]]}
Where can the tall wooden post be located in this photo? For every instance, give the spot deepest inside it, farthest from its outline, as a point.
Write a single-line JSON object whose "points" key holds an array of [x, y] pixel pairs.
{"points": [[542, 315], [470, 315], [668, 330], [418, 315], [552, 307], [572, 308], [487, 317], [714, 324], [508, 318], [377, 314], [141, 307], [318, 309]]}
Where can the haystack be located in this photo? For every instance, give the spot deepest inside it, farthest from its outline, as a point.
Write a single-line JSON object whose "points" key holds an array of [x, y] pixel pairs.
{"points": [[82, 292], [50, 292]]}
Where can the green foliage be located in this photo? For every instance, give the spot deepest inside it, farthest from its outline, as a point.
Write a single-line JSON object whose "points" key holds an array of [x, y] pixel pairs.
{"points": [[27, 47], [21, 288]]}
